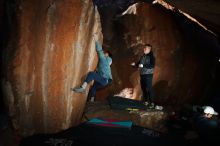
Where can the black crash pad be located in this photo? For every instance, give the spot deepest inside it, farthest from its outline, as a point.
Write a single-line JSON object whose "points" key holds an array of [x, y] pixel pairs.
{"points": [[92, 135], [117, 102]]}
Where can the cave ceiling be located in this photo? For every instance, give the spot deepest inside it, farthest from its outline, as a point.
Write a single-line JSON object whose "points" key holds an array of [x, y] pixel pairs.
{"points": [[207, 12]]}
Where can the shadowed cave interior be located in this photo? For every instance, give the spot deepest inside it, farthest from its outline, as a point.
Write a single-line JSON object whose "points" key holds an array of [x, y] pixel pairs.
{"points": [[39, 64]]}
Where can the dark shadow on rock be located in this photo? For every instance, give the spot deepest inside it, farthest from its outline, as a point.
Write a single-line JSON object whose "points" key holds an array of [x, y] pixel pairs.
{"points": [[161, 90]]}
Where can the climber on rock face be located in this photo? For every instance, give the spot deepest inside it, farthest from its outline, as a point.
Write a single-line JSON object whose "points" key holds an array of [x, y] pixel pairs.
{"points": [[102, 76]]}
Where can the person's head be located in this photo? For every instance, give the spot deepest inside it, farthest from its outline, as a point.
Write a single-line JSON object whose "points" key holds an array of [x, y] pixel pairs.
{"points": [[209, 111], [109, 55], [147, 48]]}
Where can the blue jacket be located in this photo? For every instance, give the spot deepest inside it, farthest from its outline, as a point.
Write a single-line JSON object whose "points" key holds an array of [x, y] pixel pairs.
{"points": [[104, 63]]}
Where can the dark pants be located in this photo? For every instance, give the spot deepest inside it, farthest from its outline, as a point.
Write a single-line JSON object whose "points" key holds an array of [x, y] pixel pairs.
{"points": [[99, 82], [208, 129], [146, 86]]}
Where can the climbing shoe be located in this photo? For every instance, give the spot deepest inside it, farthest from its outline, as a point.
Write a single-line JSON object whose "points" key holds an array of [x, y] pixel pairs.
{"points": [[151, 106], [78, 89]]}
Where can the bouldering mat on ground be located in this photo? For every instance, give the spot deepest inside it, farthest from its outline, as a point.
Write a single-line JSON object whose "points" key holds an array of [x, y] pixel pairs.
{"points": [[117, 102], [110, 122], [89, 134]]}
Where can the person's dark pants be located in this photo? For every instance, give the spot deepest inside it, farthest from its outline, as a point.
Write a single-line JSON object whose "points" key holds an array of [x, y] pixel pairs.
{"points": [[146, 86], [208, 129], [99, 82]]}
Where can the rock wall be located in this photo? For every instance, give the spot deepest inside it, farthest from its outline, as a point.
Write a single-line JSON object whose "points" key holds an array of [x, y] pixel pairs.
{"points": [[50, 50], [185, 56], [207, 12]]}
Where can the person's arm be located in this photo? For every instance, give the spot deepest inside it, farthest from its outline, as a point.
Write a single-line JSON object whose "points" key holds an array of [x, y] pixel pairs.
{"points": [[136, 64], [99, 50], [152, 62]]}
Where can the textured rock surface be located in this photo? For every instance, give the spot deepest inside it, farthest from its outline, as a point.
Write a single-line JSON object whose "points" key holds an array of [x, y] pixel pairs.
{"points": [[180, 46], [49, 52], [153, 119], [207, 12]]}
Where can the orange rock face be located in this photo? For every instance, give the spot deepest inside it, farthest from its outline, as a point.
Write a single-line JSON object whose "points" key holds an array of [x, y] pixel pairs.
{"points": [[182, 74], [53, 50]]}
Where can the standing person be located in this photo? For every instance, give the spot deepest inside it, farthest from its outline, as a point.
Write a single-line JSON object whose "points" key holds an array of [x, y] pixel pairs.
{"points": [[146, 64], [102, 76]]}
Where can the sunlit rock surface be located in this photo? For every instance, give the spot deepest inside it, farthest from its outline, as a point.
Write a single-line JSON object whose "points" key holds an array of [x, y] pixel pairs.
{"points": [[50, 50]]}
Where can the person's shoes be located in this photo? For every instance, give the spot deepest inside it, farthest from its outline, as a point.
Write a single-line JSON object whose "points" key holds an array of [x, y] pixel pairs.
{"points": [[146, 103], [78, 89], [151, 106], [92, 99], [157, 107]]}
